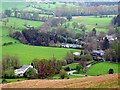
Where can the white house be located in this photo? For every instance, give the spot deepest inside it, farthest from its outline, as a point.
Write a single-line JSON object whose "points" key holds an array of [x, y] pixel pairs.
{"points": [[76, 53], [66, 45], [111, 37], [20, 72]]}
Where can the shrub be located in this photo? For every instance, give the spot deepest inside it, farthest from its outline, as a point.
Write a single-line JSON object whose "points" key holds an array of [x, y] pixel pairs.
{"points": [[111, 71], [78, 67], [9, 73], [45, 70], [67, 69], [31, 74], [4, 80], [75, 72], [62, 75], [8, 43]]}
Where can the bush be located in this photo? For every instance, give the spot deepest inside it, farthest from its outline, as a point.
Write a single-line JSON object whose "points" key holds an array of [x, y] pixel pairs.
{"points": [[111, 71], [78, 67], [4, 80], [67, 69], [9, 74], [31, 74], [8, 43], [76, 73], [62, 75]]}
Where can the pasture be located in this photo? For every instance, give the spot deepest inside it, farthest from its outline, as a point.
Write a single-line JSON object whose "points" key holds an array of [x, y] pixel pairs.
{"points": [[18, 23], [91, 21], [10, 5], [27, 53], [102, 68]]}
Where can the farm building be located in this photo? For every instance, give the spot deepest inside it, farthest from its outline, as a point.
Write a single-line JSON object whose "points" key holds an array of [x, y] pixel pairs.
{"points": [[71, 45], [76, 53], [111, 37], [97, 54], [20, 72]]}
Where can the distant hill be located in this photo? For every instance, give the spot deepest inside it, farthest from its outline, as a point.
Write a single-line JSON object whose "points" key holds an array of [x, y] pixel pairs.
{"points": [[104, 81]]}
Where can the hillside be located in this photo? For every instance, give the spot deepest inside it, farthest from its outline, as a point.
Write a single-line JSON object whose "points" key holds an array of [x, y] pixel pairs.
{"points": [[104, 81]]}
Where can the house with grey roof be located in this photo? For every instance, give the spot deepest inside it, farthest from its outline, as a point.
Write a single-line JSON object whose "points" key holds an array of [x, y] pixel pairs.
{"points": [[20, 72], [98, 54]]}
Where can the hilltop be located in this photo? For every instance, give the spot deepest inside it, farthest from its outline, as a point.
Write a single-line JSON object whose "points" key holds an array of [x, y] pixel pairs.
{"points": [[103, 81]]}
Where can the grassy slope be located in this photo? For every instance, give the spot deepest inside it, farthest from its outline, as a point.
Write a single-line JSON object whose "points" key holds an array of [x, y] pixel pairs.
{"points": [[104, 81], [28, 53], [102, 68], [9, 5], [90, 23], [19, 23]]}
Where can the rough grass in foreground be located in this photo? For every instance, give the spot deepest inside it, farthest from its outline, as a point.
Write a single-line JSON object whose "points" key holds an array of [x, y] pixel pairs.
{"points": [[105, 81]]}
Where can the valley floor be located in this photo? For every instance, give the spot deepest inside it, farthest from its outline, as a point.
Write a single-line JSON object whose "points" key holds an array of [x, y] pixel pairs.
{"points": [[103, 81]]}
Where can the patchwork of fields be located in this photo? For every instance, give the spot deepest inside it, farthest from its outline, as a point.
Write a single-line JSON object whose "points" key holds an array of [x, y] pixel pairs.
{"points": [[95, 76], [28, 53], [91, 21]]}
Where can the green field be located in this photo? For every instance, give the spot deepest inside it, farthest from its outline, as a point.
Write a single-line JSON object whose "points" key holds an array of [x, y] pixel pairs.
{"points": [[71, 66], [18, 23], [27, 53], [57, 76], [102, 68], [91, 21], [10, 5]]}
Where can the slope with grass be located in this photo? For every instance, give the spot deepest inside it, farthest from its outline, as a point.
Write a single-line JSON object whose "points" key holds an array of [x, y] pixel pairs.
{"points": [[18, 23], [27, 53], [10, 5], [102, 68], [91, 21], [104, 81]]}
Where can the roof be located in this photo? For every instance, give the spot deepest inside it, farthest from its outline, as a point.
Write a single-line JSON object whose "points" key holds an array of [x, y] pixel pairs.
{"points": [[101, 52], [76, 53], [23, 69], [111, 37]]}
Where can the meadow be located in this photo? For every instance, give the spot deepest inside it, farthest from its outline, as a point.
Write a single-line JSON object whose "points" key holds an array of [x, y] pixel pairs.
{"points": [[102, 68], [10, 5], [18, 23], [91, 21], [27, 53]]}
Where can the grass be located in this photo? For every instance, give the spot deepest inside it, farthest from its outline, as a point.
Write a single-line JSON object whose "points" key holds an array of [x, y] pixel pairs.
{"points": [[71, 66], [27, 53], [57, 76], [107, 85], [51, 7], [15, 80], [102, 68], [31, 9], [8, 39], [90, 22], [103, 81], [10, 5], [18, 23]]}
